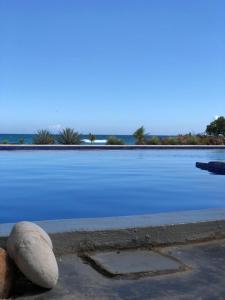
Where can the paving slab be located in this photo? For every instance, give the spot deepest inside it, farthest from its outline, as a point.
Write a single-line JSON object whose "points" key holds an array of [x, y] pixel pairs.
{"points": [[134, 262], [205, 279]]}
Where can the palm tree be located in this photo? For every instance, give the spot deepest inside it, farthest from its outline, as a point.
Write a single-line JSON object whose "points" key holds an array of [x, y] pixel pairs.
{"points": [[43, 137], [69, 137], [91, 137], [139, 135]]}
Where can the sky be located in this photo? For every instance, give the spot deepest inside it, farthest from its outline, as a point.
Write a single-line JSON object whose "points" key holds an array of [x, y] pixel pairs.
{"points": [[110, 66]]}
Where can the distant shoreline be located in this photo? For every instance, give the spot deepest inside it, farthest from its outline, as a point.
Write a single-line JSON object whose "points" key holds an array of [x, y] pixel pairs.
{"points": [[28, 138], [148, 141]]}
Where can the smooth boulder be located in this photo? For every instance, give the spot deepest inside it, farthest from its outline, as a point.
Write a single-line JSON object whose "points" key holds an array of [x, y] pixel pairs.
{"points": [[30, 228], [31, 249], [6, 274]]}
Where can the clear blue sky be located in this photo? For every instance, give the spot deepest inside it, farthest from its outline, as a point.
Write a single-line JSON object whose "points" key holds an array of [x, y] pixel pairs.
{"points": [[109, 66]]}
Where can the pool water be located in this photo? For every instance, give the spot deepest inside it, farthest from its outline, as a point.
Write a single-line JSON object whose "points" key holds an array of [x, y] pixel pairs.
{"points": [[41, 185]]}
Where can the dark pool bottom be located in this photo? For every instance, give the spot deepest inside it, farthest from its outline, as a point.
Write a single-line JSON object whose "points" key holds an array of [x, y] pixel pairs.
{"points": [[41, 185]]}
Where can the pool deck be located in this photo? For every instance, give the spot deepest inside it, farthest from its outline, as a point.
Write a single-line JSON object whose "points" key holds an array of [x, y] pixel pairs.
{"points": [[9, 147], [185, 254], [204, 279]]}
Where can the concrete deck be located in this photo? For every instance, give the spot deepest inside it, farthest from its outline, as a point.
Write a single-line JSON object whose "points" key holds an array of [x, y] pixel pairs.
{"points": [[161, 256], [80, 281], [8, 147]]}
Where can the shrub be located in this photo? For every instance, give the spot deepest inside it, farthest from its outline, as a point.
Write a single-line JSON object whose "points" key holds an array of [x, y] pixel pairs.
{"points": [[213, 140], [191, 139], [170, 141], [5, 142], [155, 140], [69, 137], [21, 141], [112, 140], [43, 137]]}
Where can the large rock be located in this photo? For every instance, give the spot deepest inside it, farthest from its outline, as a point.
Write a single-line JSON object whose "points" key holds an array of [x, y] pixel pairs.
{"points": [[30, 228], [215, 167], [6, 274], [31, 249]]}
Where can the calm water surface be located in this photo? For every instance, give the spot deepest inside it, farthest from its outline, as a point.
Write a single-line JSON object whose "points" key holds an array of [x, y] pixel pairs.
{"points": [[38, 185]]}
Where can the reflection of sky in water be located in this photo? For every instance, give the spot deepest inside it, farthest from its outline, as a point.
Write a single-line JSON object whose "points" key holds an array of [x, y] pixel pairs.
{"points": [[70, 184]]}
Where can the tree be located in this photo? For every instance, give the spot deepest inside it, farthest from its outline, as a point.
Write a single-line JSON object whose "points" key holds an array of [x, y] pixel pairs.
{"points": [[217, 127], [139, 135], [91, 137], [69, 137]]}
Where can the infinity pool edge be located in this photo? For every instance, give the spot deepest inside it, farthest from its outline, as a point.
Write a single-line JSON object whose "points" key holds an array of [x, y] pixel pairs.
{"points": [[106, 147], [74, 235]]}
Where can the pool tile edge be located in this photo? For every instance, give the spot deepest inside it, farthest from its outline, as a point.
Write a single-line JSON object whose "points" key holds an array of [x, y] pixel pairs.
{"points": [[74, 235]]}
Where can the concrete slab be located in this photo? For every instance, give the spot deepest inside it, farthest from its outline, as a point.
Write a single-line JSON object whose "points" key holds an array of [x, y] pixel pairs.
{"points": [[134, 262], [79, 281]]}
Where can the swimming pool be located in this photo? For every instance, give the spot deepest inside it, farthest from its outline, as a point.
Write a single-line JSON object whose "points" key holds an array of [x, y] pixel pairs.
{"points": [[41, 185]]}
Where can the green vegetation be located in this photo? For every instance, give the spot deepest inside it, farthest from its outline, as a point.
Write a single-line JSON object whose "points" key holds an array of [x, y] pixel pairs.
{"points": [[155, 140], [69, 137], [171, 140], [216, 127], [21, 141], [43, 137], [5, 142], [139, 135], [112, 140], [91, 137], [215, 135], [187, 139]]}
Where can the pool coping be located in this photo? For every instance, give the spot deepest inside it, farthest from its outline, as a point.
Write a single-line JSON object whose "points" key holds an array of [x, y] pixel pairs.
{"points": [[74, 235], [9, 147]]}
